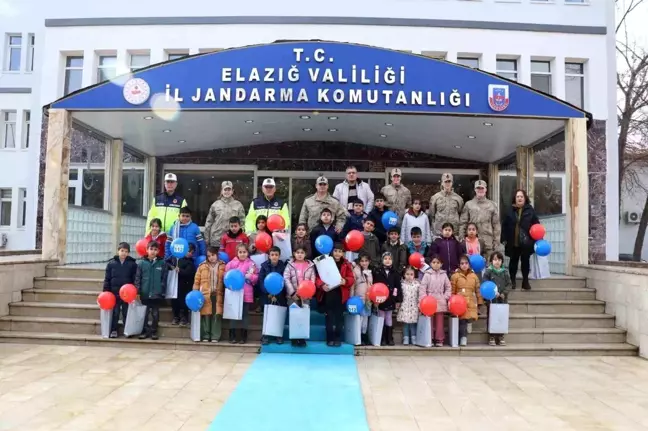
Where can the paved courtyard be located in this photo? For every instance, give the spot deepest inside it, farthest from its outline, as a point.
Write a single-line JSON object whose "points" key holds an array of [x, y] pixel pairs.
{"points": [[95, 388]]}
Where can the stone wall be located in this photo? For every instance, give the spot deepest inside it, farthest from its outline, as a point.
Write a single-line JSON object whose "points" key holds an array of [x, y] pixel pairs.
{"points": [[625, 292], [17, 274]]}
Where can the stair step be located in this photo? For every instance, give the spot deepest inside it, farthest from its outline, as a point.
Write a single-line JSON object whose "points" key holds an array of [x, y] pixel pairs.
{"points": [[312, 347], [556, 280], [76, 271], [554, 293], [557, 306], [60, 296], [69, 283]]}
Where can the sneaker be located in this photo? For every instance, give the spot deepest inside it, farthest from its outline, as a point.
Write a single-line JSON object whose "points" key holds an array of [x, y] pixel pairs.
{"points": [[469, 328], [502, 341], [294, 343], [279, 340], [113, 334], [438, 344], [463, 342], [175, 321], [405, 341], [526, 285], [337, 344], [513, 286], [413, 340], [264, 340], [330, 343], [155, 337], [214, 341], [143, 336], [491, 341], [302, 343], [183, 321]]}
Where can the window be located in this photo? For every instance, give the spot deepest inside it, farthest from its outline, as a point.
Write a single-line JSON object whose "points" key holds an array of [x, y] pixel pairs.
{"points": [[176, 56], [107, 68], [8, 129], [26, 129], [133, 191], [541, 76], [549, 192], [576, 1], [468, 61], [507, 69], [5, 207], [93, 189], [30, 52], [138, 61], [575, 84], [73, 74], [22, 207], [433, 54], [14, 51]]}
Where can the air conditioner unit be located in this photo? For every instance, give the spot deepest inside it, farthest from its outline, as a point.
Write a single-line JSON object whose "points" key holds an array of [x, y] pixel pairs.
{"points": [[4, 239], [633, 217]]}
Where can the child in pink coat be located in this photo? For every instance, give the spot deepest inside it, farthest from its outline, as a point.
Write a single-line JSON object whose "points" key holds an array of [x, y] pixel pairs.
{"points": [[243, 263], [436, 283]]}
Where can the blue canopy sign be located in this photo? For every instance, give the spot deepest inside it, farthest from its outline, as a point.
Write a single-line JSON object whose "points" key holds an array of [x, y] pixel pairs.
{"points": [[319, 76]]}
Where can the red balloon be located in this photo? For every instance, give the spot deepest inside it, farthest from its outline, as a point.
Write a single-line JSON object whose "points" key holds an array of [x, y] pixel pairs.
{"points": [[128, 293], [140, 247], [263, 242], [378, 293], [537, 231], [306, 289], [428, 305], [354, 240], [416, 260], [276, 222], [106, 300], [457, 305]]}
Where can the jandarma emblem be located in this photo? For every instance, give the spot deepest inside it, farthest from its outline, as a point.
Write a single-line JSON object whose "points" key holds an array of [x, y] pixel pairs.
{"points": [[498, 97]]}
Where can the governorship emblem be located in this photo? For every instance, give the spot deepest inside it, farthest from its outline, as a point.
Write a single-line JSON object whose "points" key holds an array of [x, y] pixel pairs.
{"points": [[498, 97], [136, 91]]}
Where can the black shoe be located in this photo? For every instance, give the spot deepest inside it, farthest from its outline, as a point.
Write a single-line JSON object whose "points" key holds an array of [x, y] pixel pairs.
{"points": [[364, 340], [264, 340], [232, 336], [279, 340], [294, 343], [155, 337], [337, 344], [329, 343], [526, 285], [183, 321], [302, 343], [243, 338], [513, 286], [175, 321], [143, 335], [390, 335]]}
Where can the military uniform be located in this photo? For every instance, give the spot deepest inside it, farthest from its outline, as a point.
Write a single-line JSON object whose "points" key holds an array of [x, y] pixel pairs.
{"points": [[398, 199], [484, 213], [445, 207], [312, 209], [217, 222]]}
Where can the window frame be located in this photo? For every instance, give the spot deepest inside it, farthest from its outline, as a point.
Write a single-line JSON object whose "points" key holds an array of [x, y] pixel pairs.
{"points": [[132, 55], [9, 48], [176, 55], [31, 51], [6, 201], [543, 174], [69, 68], [26, 129], [22, 208], [102, 68], [548, 74], [504, 72], [477, 59], [580, 75], [5, 126]]}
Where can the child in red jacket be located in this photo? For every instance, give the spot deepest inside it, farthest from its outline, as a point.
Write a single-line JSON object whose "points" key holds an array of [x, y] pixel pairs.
{"points": [[334, 298], [156, 234], [233, 237]]}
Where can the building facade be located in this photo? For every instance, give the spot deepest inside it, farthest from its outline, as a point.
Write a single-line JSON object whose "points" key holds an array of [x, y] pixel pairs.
{"points": [[561, 47]]}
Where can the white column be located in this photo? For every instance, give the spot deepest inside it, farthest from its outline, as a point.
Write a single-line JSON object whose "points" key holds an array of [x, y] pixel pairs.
{"points": [[558, 77], [123, 63], [158, 56], [149, 183], [451, 56], [489, 62], [20, 120], [577, 238], [116, 156], [89, 68], [493, 183], [524, 69]]}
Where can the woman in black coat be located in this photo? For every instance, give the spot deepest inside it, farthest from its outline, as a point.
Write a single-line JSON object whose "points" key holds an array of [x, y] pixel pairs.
{"points": [[516, 237]]}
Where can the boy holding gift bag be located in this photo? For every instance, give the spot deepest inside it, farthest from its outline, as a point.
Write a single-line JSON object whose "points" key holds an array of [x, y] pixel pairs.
{"points": [[273, 264], [209, 280]]}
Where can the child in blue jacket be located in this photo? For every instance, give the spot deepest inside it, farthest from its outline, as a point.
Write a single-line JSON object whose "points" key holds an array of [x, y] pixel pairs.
{"points": [[273, 264], [355, 219], [185, 228]]}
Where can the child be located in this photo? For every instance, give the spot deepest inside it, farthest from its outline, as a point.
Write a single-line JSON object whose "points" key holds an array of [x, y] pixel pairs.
{"points": [[261, 226], [185, 228], [233, 238], [437, 284], [371, 245], [465, 283], [392, 279], [501, 277], [273, 264], [243, 263], [376, 214], [156, 234], [409, 310], [151, 280], [297, 270], [186, 275], [416, 218], [355, 218], [300, 239], [209, 281], [324, 227], [448, 249], [397, 249], [472, 244], [119, 271], [334, 298], [363, 278], [417, 245]]}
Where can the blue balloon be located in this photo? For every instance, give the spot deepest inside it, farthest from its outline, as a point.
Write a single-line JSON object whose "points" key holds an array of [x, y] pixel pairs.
{"points": [[542, 248], [324, 244], [477, 262], [199, 260], [223, 256], [488, 290], [194, 300], [355, 305], [273, 283], [234, 279], [389, 219], [179, 248]]}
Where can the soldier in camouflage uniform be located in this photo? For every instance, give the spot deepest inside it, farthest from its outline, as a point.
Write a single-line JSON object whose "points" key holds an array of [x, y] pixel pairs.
{"points": [[445, 207], [398, 197], [314, 204], [484, 213]]}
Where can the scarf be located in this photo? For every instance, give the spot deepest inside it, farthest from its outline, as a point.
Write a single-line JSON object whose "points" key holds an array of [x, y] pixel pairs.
{"points": [[495, 270], [213, 278]]}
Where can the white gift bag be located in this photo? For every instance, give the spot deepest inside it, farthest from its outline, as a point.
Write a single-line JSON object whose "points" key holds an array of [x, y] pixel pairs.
{"points": [[274, 320], [233, 304], [352, 329], [283, 244], [375, 329], [453, 331], [259, 259], [498, 318], [539, 267], [105, 316], [328, 270], [299, 322], [351, 256], [424, 331], [135, 319], [195, 326], [172, 285]]}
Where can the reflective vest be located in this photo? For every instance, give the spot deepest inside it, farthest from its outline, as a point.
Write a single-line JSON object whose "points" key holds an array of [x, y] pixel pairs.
{"points": [[167, 209], [263, 206]]}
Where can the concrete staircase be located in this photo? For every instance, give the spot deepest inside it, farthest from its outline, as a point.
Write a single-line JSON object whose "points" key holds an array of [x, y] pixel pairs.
{"points": [[560, 316]]}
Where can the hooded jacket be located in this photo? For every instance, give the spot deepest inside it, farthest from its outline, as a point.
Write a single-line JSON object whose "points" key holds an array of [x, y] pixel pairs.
{"points": [[371, 246], [379, 229], [251, 273], [466, 284], [398, 252], [362, 280], [346, 271], [392, 279], [502, 279], [291, 280], [190, 232], [436, 284], [449, 249], [230, 240], [119, 273], [161, 240], [516, 226], [353, 222], [202, 283], [268, 268], [411, 220], [217, 222], [151, 278], [318, 230], [341, 193]]}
